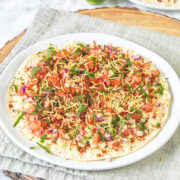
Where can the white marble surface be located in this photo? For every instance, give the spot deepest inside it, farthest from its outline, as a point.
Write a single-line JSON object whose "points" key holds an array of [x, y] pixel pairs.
{"points": [[16, 15]]}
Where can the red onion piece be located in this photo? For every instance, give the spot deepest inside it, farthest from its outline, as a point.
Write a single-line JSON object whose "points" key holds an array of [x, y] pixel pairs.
{"points": [[115, 52], [106, 84], [110, 48], [108, 136], [24, 89], [138, 57]]}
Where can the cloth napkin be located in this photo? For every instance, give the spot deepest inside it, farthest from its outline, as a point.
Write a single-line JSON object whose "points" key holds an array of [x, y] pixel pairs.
{"points": [[163, 164]]}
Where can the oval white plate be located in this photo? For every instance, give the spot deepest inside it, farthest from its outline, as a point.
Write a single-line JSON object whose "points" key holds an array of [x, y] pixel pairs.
{"points": [[155, 6], [164, 135]]}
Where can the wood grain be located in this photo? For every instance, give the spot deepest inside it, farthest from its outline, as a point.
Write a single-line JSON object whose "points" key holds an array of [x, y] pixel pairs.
{"points": [[126, 16], [137, 18]]}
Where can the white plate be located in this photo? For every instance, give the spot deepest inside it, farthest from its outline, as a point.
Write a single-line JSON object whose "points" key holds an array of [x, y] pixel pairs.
{"points": [[164, 135], [155, 6]]}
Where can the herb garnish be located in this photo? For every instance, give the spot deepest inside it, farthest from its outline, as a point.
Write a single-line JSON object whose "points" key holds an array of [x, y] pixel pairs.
{"points": [[19, 118], [43, 147]]}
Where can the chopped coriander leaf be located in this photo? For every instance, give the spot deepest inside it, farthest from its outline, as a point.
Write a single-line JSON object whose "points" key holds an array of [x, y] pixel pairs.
{"points": [[83, 46], [76, 132], [158, 124], [32, 147], [129, 87], [50, 52], [86, 73], [101, 136], [74, 71], [49, 89], [103, 125], [42, 139], [19, 118], [35, 71], [81, 107], [67, 129], [136, 110], [43, 147], [161, 89], [127, 116], [115, 120], [15, 87], [48, 120], [68, 110], [122, 125], [34, 113], [148, 85], [142, 126], [114, 132], [94, 118], [122, 79], [129, 63], [56, 103], [78, 51], [144, 93]]}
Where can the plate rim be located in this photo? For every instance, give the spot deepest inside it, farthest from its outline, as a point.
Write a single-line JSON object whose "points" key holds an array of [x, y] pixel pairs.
{"points": [[82, 167]]}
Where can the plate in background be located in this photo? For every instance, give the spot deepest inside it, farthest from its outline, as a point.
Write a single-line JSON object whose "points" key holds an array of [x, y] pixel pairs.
{"points": [[156, 6]]}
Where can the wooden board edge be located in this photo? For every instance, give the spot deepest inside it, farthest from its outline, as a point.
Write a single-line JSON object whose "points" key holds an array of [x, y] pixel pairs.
{"points": [[130, 8]]}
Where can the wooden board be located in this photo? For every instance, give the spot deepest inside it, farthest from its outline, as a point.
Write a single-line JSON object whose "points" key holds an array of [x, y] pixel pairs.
{"points": [[126, 16]]}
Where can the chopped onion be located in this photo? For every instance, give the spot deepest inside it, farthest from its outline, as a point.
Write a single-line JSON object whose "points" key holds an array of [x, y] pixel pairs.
{"points": [[78, 137], [137, 57], [108, 136]]}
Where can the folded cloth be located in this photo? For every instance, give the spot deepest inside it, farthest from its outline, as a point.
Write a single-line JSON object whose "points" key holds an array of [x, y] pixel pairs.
{"points": [[163, 164]]}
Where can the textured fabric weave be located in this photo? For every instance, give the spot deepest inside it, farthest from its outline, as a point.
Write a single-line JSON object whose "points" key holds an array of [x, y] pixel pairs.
{"points": [[49, 23]]}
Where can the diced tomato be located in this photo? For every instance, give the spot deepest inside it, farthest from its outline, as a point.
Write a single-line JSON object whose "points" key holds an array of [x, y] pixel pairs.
{"points": [[146, 64], [44, 124], [61, 132], [106, 80], [95, 80], [117, 82], [127, 132], [155, 73], [61, 93], [31, 110], [102, 102], [148, 107], [116, 144], [35, 125], [136, 80], [59, 54], [136, 116], [123, 113], [109, 110], [96, 138]]}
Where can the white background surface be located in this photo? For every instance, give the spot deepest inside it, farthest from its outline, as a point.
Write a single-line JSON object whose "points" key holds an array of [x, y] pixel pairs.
{"points": [[16, 15]]}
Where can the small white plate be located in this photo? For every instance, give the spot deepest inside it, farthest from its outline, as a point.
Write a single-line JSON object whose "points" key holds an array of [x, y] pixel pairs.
{"points": [[156, 6], [164, 135]]}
